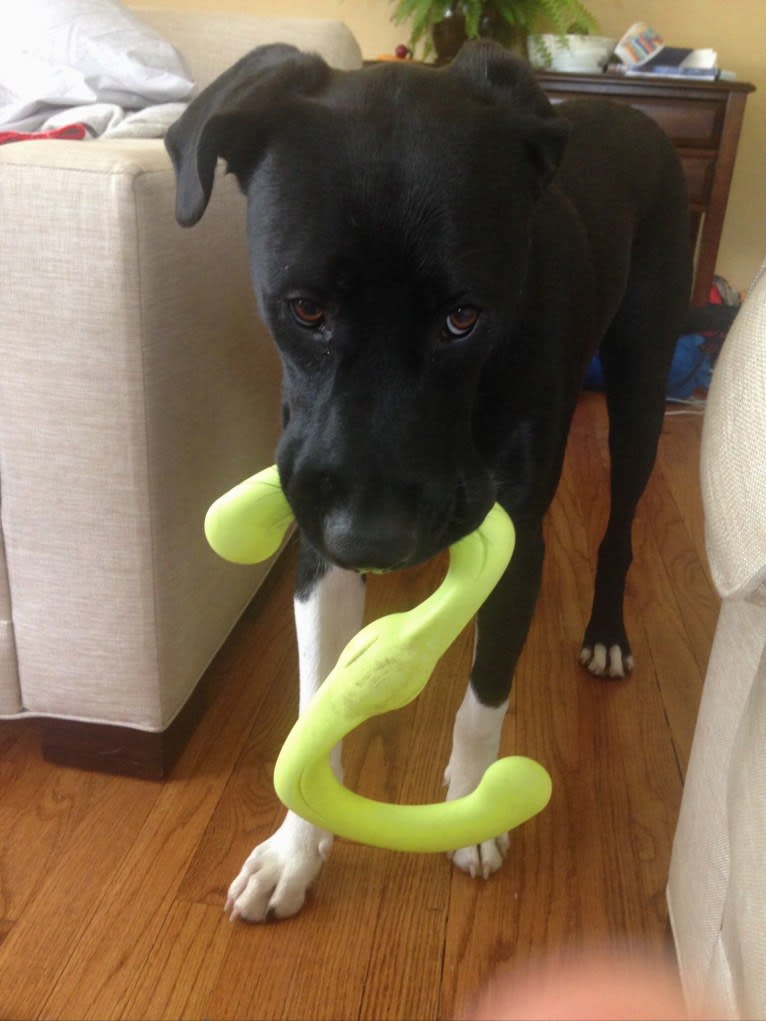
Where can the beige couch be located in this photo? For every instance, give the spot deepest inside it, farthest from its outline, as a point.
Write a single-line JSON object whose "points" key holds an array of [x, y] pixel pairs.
{"points": [[717, 887], [137, 384]]}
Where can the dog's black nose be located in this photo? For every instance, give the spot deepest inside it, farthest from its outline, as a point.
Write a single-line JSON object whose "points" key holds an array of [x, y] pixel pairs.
{"points": [[379, 542]]}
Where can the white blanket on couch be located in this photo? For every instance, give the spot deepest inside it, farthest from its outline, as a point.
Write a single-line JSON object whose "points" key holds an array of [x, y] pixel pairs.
{"points": [[87, 61], [104, 120]]}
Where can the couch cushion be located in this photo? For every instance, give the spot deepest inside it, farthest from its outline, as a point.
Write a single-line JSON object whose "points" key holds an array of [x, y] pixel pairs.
{"points": [[210, 43]]}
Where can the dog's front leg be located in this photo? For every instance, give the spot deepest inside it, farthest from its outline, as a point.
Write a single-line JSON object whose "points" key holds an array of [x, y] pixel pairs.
{"points": [[503, 622], [329, 605]]}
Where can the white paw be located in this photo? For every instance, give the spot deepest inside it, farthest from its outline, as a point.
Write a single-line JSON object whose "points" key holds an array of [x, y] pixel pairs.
{"points": [[482, 859], [275, 878], [605, 662], [475, 744]]}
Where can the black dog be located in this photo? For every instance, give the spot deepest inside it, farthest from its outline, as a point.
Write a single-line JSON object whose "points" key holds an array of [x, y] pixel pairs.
{"points": [[438, 254]]}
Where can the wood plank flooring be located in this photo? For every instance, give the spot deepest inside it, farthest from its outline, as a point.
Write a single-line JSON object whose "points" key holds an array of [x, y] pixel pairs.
{"points": [[111, 890]]}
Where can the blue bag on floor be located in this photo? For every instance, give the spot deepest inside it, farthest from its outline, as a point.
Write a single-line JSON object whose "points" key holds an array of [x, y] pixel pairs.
{"points": [[690, 370]]}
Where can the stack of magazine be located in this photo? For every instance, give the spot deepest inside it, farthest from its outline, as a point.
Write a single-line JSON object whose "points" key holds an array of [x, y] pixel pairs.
{"points": [[644, 54]]}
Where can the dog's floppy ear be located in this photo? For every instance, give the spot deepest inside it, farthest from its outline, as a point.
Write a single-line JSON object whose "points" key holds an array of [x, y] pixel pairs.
{"points": [[500, 76], [506, 81], [231, 118]]}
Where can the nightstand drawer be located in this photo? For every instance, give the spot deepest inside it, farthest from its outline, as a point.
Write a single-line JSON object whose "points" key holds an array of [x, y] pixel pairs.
{"points": [[694, 125]]}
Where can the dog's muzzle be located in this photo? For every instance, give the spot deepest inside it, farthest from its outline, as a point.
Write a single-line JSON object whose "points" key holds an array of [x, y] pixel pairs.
{"points": [[370, 542]]}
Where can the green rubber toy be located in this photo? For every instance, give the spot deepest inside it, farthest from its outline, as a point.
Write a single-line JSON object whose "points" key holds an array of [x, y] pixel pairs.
{"points": [[384, 667]]}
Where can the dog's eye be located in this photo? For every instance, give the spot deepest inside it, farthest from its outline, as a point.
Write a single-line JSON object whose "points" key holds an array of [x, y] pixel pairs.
{"points": [[307, 312], [461, 321]]}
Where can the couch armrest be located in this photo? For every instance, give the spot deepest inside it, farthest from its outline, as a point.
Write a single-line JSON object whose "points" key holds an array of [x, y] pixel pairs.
{"points": [[138, 384], [733, 455]]}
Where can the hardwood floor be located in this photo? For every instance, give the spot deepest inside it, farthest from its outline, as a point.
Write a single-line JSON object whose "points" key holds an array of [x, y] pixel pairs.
{"points": [[111, 890]]}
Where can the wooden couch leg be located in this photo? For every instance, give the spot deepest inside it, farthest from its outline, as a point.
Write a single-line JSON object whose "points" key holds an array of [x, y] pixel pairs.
{"points": [[104, 748]]}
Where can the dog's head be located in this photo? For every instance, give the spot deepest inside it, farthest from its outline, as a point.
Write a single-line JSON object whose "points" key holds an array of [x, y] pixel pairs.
{"points": [[388, 223]]}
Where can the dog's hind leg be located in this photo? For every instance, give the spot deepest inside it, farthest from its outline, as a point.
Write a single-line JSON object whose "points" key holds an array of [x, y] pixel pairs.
{"points": [[329, 605], [502, 625], [636, 355]]}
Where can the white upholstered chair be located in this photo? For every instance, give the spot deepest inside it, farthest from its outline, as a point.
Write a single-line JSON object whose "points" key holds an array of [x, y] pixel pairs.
{"points": [[717, 887]]}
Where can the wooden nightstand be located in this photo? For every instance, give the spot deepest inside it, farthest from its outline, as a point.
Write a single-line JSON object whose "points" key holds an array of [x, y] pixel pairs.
{"points": [[703, 119]]}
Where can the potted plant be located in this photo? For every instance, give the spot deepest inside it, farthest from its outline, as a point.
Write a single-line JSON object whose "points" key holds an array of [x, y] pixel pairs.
{"points": [[576, 50], [433, 22]]}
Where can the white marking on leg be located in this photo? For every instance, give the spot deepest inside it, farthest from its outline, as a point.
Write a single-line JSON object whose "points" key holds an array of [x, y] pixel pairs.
{"points": [[276, 876], [475, 745], [325, 622]]}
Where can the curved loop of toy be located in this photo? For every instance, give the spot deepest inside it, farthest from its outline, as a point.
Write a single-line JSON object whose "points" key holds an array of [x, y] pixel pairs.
{"points": [[247, 524], [384, 667]]}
